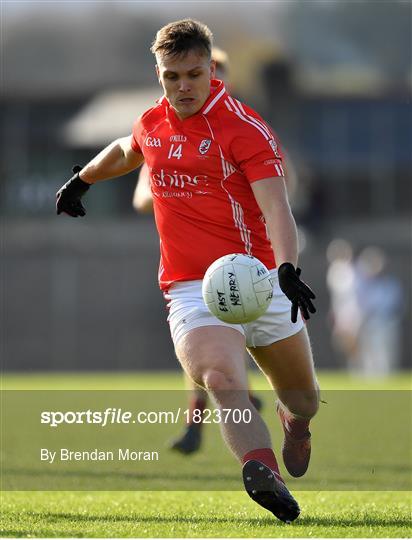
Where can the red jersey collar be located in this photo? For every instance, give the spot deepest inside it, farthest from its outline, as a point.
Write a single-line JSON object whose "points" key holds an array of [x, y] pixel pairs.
{"points": [[217, 94]]}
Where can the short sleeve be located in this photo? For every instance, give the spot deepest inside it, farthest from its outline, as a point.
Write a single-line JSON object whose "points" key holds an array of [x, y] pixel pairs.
{"points": [[256, 149], [136, 136]]}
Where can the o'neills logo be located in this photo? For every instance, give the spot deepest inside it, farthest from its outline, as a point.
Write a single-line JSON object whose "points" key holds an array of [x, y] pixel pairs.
{"points": [[204, 146], [153, 141], [177, 138], [166, 179]]}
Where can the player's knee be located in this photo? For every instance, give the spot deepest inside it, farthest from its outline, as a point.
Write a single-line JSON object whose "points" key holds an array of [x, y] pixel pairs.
{"points": [[303, 403], [310, 405], [215, 380]]}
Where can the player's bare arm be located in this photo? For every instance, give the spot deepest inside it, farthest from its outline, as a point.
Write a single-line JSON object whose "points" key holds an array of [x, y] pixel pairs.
{"points": [[271, 196], [117, 159]]}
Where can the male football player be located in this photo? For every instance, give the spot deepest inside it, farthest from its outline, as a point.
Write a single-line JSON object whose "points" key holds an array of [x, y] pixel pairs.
{"points": [[191, 438], [218, 187]]}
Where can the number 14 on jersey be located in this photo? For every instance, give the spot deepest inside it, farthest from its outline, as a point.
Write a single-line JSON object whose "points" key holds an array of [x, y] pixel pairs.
{"points": [[175, 152]]}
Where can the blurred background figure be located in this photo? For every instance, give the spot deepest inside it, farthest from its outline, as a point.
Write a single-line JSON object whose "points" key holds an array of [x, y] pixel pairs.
{"points": [[380, 298], [345, 311], [366, 309]]}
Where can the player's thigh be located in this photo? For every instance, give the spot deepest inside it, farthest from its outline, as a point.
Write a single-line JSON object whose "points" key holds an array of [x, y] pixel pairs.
{"points": [[213, 350], [288, 364]]}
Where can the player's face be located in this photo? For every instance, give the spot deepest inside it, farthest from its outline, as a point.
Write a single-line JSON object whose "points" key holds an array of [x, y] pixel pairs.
{"points": [[186, 81]]}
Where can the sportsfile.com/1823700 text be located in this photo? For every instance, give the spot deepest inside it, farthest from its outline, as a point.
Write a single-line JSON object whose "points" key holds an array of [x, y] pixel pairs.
{"points": [[111, 416]]}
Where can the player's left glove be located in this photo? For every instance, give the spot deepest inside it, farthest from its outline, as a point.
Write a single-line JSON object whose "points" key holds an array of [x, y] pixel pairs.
{"points": [[296, 290], [68, 198]]}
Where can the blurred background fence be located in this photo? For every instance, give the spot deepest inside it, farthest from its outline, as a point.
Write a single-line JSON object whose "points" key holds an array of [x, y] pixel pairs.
{"points": [[334, 79]]}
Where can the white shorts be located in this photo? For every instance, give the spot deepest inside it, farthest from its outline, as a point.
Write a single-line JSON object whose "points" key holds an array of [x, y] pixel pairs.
{"points": [[188, 311]]}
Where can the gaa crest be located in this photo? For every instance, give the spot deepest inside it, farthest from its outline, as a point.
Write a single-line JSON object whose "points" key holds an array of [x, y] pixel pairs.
{"points": [[204, 145]]}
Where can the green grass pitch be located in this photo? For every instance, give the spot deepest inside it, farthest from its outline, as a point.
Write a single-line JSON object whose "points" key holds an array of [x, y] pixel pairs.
{"points": [[107, 514]]}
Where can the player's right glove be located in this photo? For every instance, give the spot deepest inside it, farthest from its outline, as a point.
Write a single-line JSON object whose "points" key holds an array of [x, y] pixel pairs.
{"points": [[296, 290], [68, 198]]}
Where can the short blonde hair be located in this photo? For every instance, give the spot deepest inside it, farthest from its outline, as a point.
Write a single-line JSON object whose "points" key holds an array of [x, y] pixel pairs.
{"points": [[179, 37]]}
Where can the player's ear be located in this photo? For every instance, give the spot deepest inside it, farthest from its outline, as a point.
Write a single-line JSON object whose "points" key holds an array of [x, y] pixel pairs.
{"points": [[213, 69], [158, 74]]}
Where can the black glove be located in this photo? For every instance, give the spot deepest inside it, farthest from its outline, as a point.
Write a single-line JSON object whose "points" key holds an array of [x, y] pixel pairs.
{"points": [[296, 290], [68, 197]]}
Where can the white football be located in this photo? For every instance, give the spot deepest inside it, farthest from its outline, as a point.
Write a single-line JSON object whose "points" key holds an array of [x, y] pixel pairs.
{"points": [[237, 288]]}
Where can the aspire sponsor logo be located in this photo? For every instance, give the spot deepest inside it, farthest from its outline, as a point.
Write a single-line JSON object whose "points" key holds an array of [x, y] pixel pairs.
{"points": [[175, 179]]}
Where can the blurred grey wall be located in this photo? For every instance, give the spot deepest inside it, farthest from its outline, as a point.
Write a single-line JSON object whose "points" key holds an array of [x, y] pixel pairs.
{"points": [[83, 295]]}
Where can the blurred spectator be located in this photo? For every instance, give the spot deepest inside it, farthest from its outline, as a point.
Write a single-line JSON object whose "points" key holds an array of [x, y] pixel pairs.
{"points": [[380, 297], [345, 311], [366, 309]]}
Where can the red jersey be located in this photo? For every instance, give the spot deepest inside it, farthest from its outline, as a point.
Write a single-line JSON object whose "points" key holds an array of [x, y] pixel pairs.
{"points": [[201, 169]]}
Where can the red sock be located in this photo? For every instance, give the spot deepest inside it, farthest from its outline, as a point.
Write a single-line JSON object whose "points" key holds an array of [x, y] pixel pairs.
{"points": [[265, 456], [196, 403]]}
